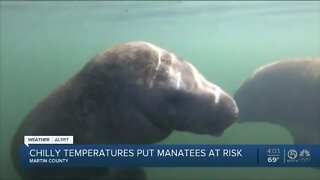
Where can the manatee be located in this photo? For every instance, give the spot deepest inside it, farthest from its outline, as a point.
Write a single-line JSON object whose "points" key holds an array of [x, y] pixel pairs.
{"points": [[286, 93], [132, 93]]}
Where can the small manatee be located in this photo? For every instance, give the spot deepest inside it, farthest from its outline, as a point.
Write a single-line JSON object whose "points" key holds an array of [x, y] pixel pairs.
{"points": [[286, 93]]}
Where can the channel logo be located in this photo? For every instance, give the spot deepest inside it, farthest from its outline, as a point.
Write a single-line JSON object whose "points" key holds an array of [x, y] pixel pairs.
{"points": [[294, 156]]}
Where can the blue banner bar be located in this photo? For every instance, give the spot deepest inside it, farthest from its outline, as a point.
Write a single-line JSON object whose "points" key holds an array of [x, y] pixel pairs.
{"points": [[170, 155]]}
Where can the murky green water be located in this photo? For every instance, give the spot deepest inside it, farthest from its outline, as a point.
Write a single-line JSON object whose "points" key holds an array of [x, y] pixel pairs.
{"points": [[44, 43]]}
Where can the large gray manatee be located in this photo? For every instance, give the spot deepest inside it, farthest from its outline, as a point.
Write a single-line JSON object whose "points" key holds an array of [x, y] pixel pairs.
{"points": [[133, 93], [286, 93]]}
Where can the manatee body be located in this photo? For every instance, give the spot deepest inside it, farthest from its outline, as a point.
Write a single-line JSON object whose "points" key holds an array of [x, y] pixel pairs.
{"points": [[133, 93], [285, 93]]}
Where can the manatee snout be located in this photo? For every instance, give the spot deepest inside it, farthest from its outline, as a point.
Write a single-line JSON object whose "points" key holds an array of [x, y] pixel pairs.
{"points": [[223, 114], [246, 101], [229, 111], [209, 109]]}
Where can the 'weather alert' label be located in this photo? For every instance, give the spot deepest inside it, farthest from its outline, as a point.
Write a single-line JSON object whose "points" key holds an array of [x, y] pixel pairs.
{"points": [[48, 140]]}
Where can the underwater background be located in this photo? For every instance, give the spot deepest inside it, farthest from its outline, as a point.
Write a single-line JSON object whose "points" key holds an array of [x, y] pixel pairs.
{"points": [[43, 44]]}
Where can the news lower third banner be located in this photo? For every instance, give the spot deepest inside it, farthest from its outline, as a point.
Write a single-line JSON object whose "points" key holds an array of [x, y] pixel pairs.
{"points": [[61, 152]]}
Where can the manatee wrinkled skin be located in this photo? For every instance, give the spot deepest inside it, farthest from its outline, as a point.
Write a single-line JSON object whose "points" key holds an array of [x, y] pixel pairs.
{"points": [[286, 93], [133, 93]]}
